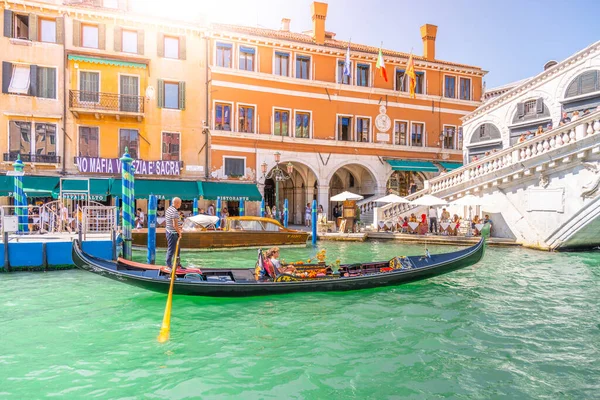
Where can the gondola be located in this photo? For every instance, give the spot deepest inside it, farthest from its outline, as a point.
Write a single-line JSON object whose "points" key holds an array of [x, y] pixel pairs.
{"points": [[237, 282]]}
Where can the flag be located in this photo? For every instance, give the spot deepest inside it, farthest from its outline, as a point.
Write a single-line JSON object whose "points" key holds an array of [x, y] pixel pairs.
{"points": [[381, 66], [347, 62], [412, 77]]}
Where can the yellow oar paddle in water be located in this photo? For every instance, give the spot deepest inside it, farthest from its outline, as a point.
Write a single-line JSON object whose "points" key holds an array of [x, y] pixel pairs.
{"points": [[163, 336]]}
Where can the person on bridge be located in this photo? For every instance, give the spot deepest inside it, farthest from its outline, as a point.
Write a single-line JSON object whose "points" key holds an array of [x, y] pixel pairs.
{"points": [[433, 217], [173, 230]]}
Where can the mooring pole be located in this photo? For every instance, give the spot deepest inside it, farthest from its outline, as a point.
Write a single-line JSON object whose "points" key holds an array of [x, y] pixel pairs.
{"points": [[314, 222], [128, 181], [286, 213], [152, 205], [195, 208]]}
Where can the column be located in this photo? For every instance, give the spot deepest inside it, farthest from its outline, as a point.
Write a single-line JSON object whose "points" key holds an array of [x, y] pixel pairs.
{"points": [[299, 205], [323, 198]]}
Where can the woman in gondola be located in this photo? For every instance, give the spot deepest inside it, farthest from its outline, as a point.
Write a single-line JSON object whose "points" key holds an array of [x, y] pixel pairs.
{"points": [[273, 258]]}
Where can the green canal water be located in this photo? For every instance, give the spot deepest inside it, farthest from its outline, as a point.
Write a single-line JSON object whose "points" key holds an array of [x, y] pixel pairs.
{"points": [[519, 325]]}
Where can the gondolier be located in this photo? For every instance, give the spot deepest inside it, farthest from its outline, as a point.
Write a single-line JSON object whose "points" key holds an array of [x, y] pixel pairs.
{"points": [[173, 229]]}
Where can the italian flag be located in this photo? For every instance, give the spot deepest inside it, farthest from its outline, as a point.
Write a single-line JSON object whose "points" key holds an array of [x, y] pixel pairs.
{"points": [[381, 66]]}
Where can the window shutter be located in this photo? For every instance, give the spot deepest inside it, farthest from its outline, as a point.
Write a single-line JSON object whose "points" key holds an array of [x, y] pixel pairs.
{"points": [[118, 38], [8, 17], [160, 93], [539, 105], [60, 27], [102, 36], [182, 95], [33, 27], [588, 82], [182, 48], [76, 33], [140, 43], [160, 45], [33, 81], [520, 110], [6, 75]]}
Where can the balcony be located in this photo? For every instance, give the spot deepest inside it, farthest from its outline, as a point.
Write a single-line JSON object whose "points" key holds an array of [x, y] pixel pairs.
{"points": [[112, 104], [33, 158]]}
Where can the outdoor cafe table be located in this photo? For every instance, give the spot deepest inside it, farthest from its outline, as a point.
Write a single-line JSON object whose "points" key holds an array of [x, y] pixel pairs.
{"points": [[413, 226], [479, 227], [445, 226]]}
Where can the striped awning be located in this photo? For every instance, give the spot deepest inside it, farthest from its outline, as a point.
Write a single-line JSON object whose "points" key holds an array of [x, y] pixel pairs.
{"points": [[107, 61], [409, 165]]}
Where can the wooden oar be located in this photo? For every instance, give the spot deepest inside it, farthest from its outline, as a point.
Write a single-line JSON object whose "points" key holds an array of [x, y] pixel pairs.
{"points": [[163, 336]]}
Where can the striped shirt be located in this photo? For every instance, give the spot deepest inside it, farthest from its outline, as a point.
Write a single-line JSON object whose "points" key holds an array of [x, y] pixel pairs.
{"points": [[170, 215]]}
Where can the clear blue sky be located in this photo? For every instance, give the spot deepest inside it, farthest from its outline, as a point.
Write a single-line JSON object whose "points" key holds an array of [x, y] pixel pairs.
{"points": [[509, 38]]}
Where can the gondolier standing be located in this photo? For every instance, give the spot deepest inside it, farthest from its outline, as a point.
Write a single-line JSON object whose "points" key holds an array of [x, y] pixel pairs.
{"points": [[173, 229]]}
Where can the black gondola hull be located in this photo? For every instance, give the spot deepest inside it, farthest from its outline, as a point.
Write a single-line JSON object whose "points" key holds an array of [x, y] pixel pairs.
{"points": [[151, 280]]}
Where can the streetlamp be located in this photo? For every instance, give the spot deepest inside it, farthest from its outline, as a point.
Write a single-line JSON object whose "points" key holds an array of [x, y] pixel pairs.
{"points": [[277, 174]]}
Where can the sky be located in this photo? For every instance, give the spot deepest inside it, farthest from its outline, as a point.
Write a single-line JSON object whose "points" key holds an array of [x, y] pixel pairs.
{"points": [[511, 39]]}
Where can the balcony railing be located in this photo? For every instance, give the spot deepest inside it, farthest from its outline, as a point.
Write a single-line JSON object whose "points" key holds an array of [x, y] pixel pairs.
{"points": [[33, 158], [97, 101]]}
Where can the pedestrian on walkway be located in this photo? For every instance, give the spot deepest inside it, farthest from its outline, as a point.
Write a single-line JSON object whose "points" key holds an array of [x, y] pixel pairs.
{"points": [[173, 230], [433, 220]]}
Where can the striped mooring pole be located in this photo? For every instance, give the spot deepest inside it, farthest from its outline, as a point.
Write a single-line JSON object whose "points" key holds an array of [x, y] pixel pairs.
{"points": [[314, 222], [19, 194], [127, 190], [195, 208], [152, 205]]}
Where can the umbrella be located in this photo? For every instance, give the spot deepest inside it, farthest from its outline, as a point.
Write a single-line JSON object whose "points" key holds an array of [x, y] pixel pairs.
{"points": [[469, 200], [241, 209], [346, 196], [392, 198], [262, 208], [429, 200]]}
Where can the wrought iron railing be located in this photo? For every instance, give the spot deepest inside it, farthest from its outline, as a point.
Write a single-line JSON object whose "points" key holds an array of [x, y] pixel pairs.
{"points": [[36, 158], [106, 101]]}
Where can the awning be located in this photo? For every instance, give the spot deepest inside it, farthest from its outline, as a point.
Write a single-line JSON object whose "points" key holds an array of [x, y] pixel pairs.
{"points": [[450, 165], [106, 61], [230, 191], [164, 189], [99, 189], [406, 165], [33, 186]]}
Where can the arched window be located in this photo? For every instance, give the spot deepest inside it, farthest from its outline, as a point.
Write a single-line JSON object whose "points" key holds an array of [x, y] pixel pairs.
{"points": [[584, 83], [485, 132]]}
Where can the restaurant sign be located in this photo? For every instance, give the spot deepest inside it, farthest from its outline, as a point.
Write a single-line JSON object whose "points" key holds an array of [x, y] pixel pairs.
{"points": [[96, 165]]}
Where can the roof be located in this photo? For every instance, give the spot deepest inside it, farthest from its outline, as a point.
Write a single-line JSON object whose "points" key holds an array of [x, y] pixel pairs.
{"points": [[332, 43]]}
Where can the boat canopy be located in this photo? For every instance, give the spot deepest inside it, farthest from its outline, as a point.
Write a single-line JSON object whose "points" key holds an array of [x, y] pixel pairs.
{"points": [[200, 221]]}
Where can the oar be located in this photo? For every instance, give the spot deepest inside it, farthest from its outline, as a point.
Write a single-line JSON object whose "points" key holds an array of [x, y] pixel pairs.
{"points": [[163, 336]]}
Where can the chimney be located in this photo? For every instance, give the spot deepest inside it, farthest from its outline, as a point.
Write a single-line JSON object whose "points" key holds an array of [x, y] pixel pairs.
{"points": [[319, 13], [285, 25], [428, 34]]}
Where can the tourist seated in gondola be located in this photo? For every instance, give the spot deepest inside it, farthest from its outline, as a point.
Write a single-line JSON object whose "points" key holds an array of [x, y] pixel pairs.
{"points": [[272, 257]]}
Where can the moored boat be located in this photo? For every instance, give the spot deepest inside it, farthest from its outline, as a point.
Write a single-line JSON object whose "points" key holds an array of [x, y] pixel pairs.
{"points": [[247, 231], [234, 282]]}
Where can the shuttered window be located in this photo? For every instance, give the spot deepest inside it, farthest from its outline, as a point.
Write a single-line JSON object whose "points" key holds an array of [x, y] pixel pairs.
{"points": [[171, 95], [20, 80], [89, 86], [587, 82], [46, 82], [234, 167], [89, 36], [47, 30], [171, 47], [88, 141], [130, 42]]}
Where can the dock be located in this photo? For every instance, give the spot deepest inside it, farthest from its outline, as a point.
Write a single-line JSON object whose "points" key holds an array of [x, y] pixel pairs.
{"points": [[439, 239]]}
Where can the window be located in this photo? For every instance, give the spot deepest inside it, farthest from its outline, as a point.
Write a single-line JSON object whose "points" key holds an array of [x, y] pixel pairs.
{"points": [[223, 117], [302, 125], [128, 138], [450, 87], [88, 141], [129, 90], [45, 139], [345, 128], [465, 89], [282, 64], [170, 146], [19, 137], [400, 129], [281, 125], [303, 67], [89, 35], [48, 30], [246, 115], [46, 82], [362, 129], [341, 78], [171, 47], [417, 134], [530, 107], [234, 167], [419, 82], [20, 28], [362, 75], [130, 42], [224, 55], [111, 3], [171, 95], [401, 82], [19, 83], [89, 86], [449, 137], [247, 58]]}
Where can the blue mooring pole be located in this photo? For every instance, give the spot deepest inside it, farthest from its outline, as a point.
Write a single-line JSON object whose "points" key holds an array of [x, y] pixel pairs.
{"points": [[152, 205], [314, 222], [286, 213], [195, 207]]}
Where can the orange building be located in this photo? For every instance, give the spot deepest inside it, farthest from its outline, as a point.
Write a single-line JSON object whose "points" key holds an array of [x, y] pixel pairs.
{"points": [[276, 91]]}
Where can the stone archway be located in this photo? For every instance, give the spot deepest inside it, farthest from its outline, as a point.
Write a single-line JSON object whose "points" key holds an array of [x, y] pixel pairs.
{"points": [[355, 178], [399, 182]]}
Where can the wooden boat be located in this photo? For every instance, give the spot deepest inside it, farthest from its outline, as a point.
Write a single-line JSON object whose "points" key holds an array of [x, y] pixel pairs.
{"points": [[234, 282], [238, 232]]}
